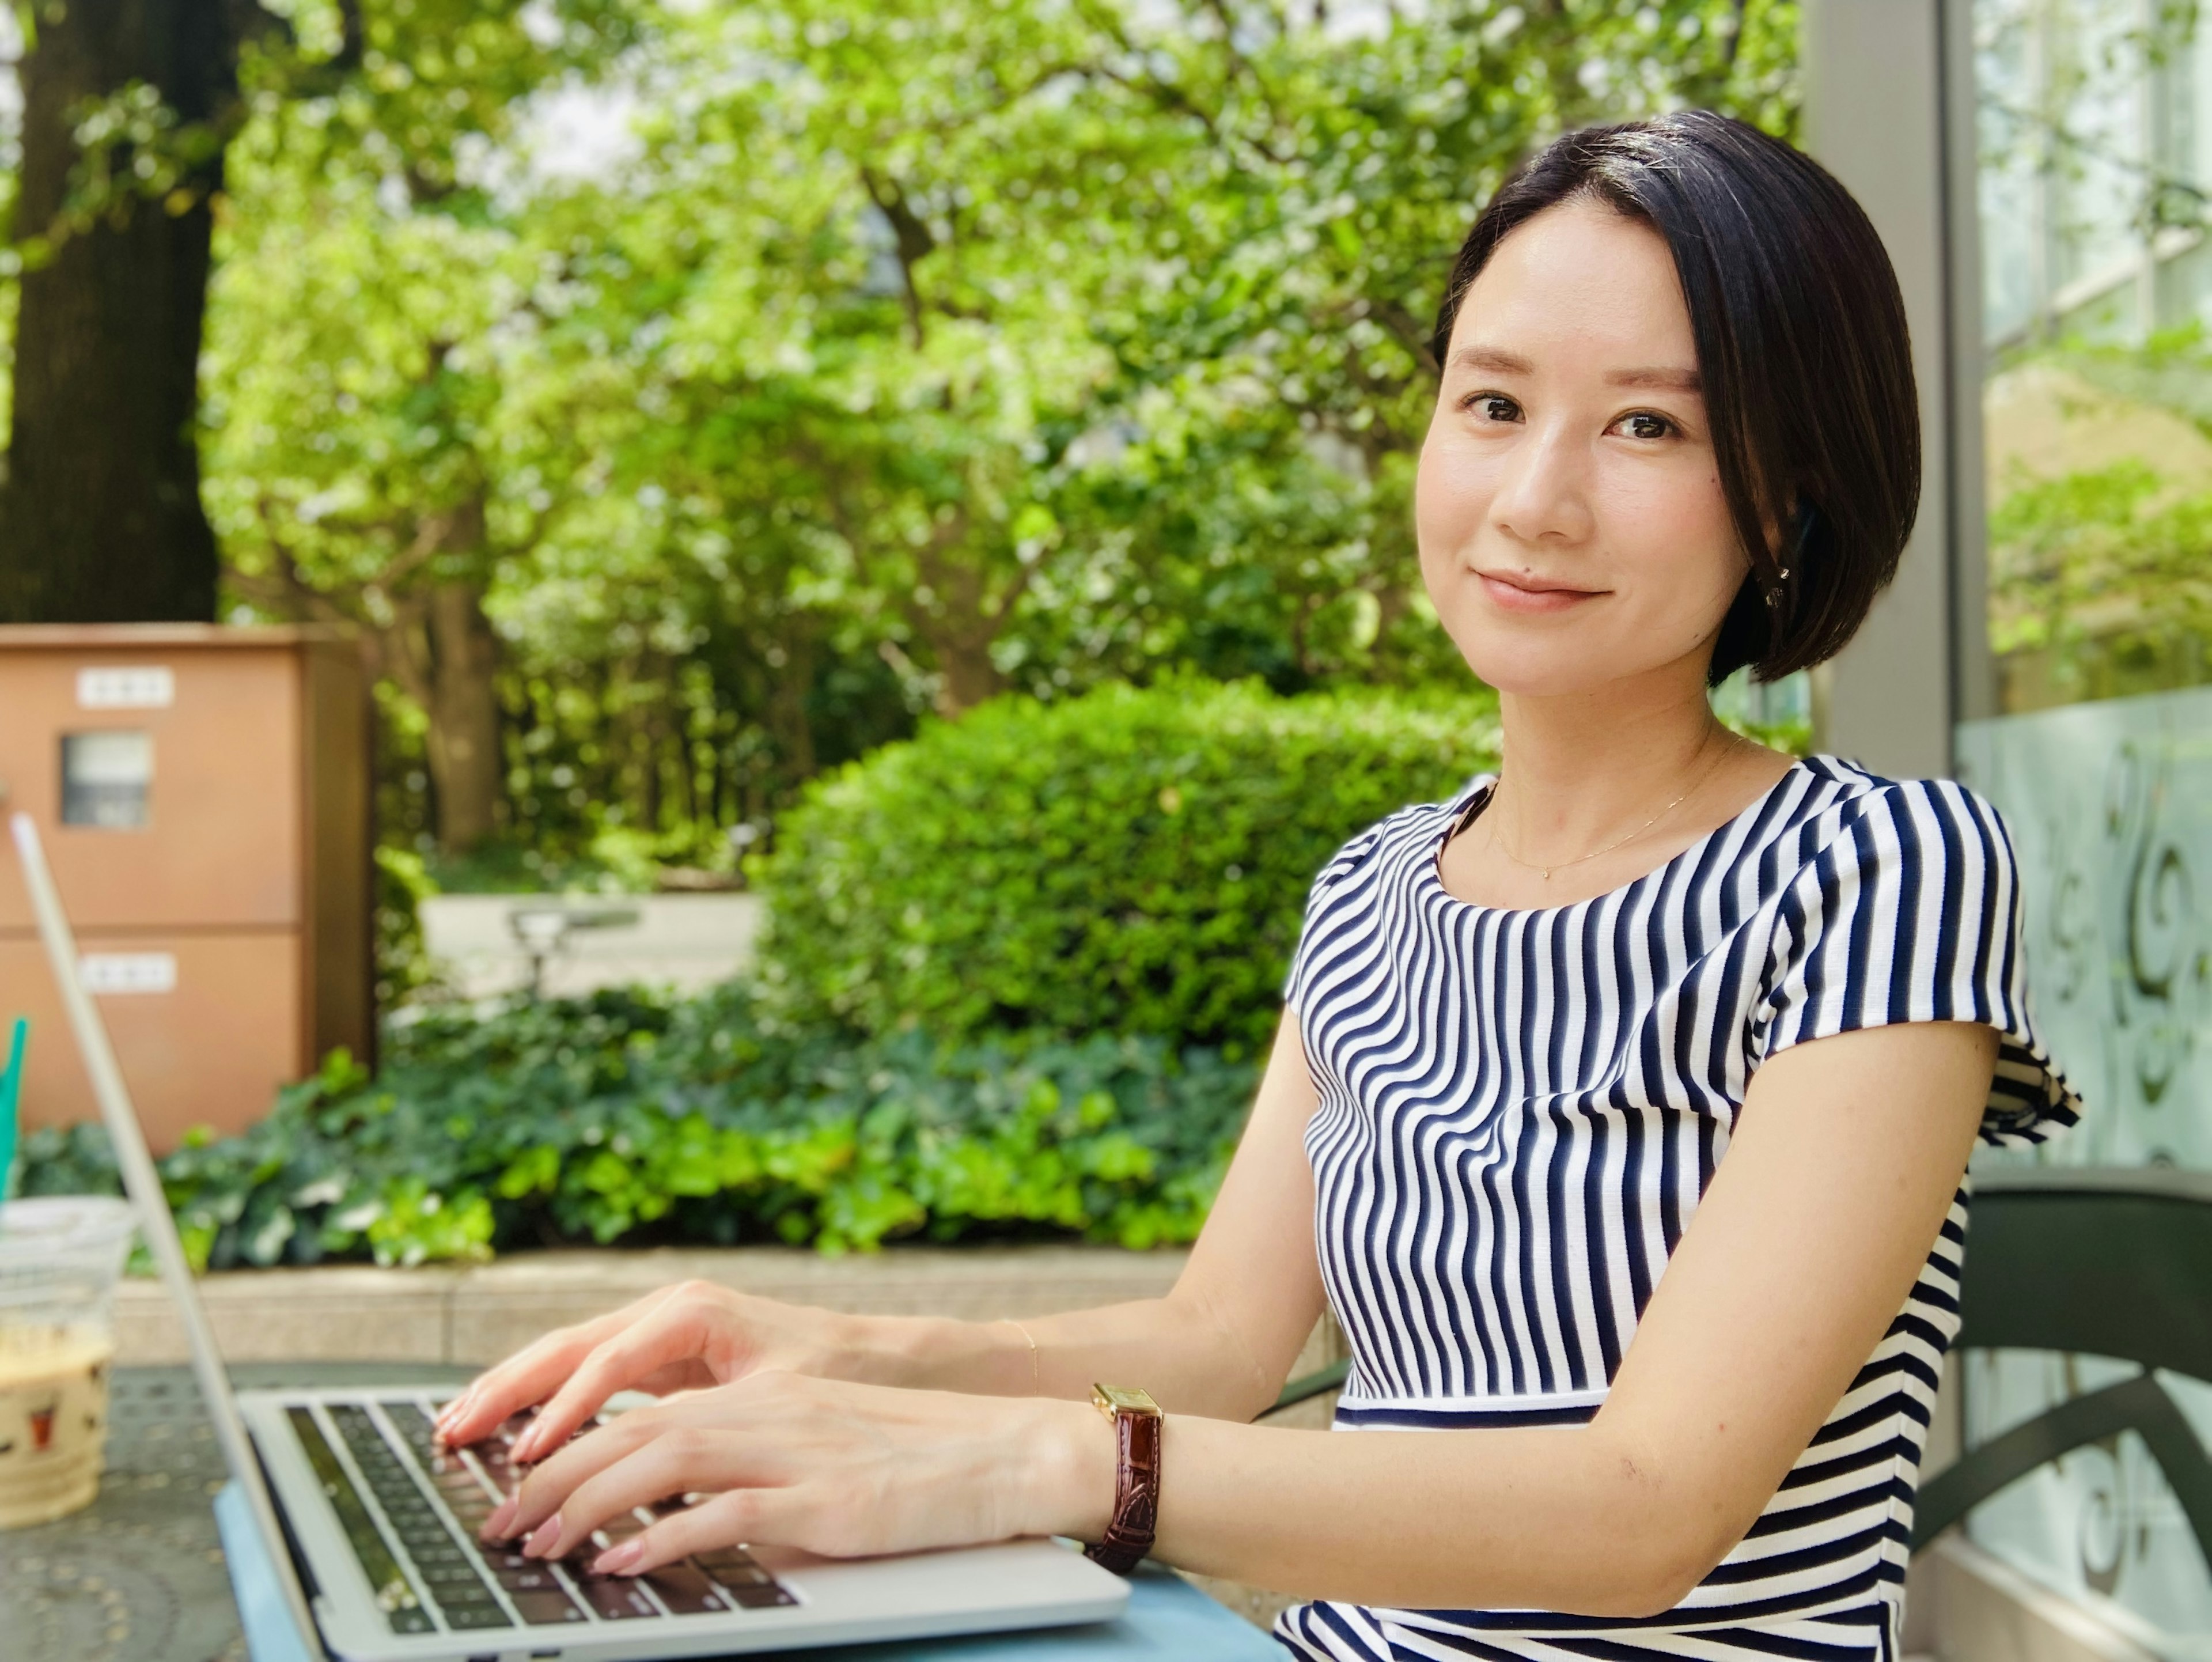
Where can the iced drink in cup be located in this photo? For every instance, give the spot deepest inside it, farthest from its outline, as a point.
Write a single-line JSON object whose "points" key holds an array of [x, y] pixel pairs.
{"points": [[59, 1258]]}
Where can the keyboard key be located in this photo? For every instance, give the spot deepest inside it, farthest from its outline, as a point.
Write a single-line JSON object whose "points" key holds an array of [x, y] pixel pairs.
{"points": [[731, 1566], [409, 1420], [538, 1578], [615, 1599], [395, 1595], [469, 1617], [686, 1590], [761, 1599], [544, 1610], [747, 1583]]}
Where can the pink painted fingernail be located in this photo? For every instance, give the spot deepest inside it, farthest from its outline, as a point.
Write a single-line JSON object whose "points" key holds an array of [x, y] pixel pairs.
{"points": [[497, 1526], [619, 1560], [542, 1542]]}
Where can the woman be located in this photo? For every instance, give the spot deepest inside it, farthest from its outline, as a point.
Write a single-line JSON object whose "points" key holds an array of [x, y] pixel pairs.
{"points": [[1655, 999]]}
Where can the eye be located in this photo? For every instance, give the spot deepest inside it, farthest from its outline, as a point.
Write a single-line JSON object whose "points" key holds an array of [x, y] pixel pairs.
{"points": [[1643, 424], [1491, 406]]}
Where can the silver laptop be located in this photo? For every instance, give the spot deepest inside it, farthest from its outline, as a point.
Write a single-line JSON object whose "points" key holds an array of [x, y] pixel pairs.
{"points": [[371, 1529]]}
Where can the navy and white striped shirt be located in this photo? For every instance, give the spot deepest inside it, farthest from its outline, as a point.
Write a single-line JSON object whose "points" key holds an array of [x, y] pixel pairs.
{"points": [[1520, 1111]]}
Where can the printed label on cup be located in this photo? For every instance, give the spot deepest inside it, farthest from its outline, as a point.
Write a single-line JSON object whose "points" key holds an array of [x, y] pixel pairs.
{"points": [[53, 1420]]}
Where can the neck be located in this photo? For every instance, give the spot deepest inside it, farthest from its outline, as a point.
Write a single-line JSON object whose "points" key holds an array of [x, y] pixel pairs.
{"points": [[1580, 767]]}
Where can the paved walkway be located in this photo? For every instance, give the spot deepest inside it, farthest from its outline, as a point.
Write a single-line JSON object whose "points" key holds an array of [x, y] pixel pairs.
{"points": [[686, 941]]}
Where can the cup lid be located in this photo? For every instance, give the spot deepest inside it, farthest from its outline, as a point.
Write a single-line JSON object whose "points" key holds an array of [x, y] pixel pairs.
{"points": [[49, 1224]]}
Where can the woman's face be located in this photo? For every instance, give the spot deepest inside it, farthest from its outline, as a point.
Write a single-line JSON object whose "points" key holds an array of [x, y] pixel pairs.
{"points": [[1571, 525]]}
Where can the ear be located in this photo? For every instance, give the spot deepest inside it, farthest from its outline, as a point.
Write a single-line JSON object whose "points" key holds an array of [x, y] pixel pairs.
{"points": [[1783, 528]]}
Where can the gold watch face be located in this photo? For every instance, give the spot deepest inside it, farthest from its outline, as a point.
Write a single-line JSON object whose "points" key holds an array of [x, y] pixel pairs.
{"points": [[1110, 1400]]}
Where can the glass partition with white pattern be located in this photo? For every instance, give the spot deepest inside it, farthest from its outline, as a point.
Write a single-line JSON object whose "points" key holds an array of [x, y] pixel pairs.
{"points": [[2095, 127]]}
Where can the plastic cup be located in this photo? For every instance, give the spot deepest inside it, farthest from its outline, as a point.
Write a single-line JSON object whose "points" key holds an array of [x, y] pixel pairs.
{"points": [[59, 1259]]}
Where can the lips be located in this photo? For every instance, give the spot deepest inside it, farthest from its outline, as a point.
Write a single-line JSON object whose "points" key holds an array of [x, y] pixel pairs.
{"points": [[1514, 592]]}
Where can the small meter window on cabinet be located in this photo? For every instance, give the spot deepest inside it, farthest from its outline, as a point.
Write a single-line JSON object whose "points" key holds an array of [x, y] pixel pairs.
{"points": [[107, 778]]}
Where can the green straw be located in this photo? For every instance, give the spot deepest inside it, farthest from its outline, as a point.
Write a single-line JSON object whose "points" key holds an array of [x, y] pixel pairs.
{"points": [[11, 1085]]}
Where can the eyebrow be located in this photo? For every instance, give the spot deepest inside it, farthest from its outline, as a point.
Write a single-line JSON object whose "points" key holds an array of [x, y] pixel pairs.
{"points": [[1669, 380], [1509, 364]]}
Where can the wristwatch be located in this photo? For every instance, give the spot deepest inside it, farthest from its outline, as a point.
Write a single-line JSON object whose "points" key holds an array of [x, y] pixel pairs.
{"points": [[1137, 1424]]}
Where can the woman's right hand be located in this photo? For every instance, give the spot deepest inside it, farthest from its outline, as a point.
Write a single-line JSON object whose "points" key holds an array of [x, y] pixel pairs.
{"points": [[680, 1338]]}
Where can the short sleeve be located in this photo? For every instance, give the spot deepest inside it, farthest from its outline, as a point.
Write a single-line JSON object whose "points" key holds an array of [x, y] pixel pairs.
{"points": [[1313, 948], [1911, 912]]}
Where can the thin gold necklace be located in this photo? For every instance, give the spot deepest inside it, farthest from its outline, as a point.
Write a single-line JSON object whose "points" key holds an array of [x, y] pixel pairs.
{"points": [[1497, 838]]}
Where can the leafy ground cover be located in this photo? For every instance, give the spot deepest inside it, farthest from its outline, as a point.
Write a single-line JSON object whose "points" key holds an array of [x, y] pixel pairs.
{"points": [[627, 1117]]}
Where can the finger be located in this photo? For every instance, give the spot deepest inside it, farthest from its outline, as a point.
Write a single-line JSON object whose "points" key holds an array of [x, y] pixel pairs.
{"points": [[674, 1463], [525, 1378], [735, 1518], [521, 1380], [536, 1371], [540, 1493], [665, 1337]]}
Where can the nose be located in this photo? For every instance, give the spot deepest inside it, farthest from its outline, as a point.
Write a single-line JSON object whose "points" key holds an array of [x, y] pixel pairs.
{"points": [[1543, 494]]}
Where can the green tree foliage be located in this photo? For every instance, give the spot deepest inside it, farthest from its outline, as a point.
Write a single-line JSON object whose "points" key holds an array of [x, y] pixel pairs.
{"points": [[911, 354], [1130, 862], [376, 436]]}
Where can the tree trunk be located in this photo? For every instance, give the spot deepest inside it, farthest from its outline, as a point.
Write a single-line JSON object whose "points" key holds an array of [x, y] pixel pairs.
{"points": [[463, 710], [100, 518], [790, 661], [967, 677]]}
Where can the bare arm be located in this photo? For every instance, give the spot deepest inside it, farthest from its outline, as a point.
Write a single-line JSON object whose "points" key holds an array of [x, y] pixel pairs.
{"points": [[1801, 1254]]}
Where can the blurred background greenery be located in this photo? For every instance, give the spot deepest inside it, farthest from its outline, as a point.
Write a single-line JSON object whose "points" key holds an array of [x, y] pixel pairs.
{"points": [[944, 465], [684, 400]]}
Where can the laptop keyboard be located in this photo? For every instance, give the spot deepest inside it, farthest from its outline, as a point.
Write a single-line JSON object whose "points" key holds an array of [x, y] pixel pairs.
{"points": [[412, 1519]]}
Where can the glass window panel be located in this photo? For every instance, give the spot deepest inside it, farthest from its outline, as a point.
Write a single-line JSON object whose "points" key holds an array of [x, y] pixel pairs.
{"points": [[2097, 288], [2097, 424], [106, 779]]}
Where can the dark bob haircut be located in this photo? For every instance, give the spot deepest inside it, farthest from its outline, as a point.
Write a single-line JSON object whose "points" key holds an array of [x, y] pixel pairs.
{"points": [[1803, 351]]}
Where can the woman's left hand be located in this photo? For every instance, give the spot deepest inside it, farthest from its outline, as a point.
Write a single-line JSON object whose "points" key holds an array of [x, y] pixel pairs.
{"points": [[842, 1470]]}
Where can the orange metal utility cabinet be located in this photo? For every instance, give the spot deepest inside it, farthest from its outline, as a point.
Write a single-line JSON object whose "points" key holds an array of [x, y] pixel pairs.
{"points": [[203, 796]]}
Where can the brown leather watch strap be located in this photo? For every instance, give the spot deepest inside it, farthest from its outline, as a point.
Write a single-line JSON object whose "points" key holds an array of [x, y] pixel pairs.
{"points": [[1136, 1492]]}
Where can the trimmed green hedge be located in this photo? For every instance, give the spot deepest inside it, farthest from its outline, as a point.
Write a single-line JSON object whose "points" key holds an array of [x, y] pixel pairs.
{"points": [[1131, 862], [625, 1117]]}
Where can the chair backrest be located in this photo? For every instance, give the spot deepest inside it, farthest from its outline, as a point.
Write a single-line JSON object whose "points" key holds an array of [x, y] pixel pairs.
{"points": [[2101, 1262]]}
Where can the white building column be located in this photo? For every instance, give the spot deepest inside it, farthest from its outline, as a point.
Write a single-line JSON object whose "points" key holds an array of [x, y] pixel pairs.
{"points": [[1885, 79]]}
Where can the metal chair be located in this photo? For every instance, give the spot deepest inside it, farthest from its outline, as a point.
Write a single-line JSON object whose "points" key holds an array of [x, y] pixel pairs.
{"points": [[2098, 1262], [2102, 1263]]}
